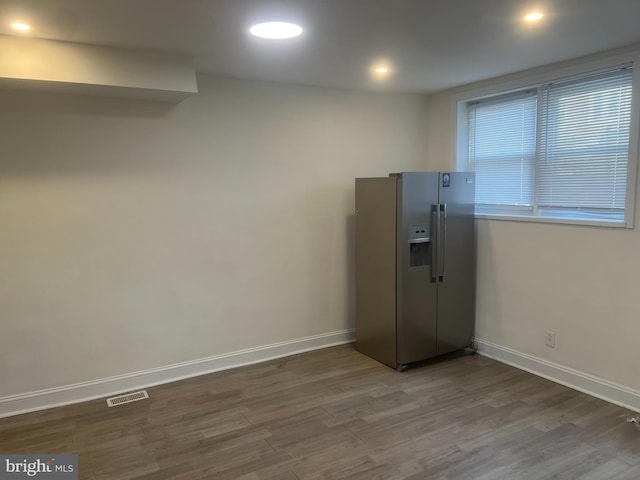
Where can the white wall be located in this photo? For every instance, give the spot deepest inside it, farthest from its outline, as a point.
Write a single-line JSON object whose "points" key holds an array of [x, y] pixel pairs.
{"points": [[581, 282], [136, 235]]}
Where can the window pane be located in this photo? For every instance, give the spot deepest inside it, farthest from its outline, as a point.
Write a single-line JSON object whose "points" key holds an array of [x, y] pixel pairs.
{"points": [[502, 150], [584, 144]]}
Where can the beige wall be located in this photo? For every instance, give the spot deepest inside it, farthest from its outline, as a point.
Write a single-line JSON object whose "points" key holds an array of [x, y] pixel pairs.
{"points": [[136, 235], [581, 282], [108, 71]]}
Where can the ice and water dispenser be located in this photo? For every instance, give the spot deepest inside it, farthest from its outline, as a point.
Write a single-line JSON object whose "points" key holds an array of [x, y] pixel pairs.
{"points": [[419, 246]]}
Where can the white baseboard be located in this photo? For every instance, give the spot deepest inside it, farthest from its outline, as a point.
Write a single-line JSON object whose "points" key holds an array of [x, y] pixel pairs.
{"points": [[105, 387], [592, 385]]}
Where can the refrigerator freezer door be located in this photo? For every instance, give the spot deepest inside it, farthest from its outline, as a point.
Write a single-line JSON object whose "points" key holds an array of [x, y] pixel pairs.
{"points": [[376, 268], [417, 291], [457, 287]]}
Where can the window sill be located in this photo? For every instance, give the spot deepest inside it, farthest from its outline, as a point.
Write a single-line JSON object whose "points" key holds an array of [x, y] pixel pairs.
{"points": [[562, 221]]}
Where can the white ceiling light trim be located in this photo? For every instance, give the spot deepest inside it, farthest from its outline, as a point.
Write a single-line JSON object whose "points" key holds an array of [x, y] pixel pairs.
{"points": [[23, 27], [533, 16], [276, 30], [381, 70]]}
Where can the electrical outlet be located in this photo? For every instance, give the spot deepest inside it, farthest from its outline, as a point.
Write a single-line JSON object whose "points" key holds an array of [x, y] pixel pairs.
{"points": [[550, 339]]}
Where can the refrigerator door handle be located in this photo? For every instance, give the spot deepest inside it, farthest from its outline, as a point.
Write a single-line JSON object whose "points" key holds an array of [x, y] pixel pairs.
{"points": [[435, 241], [442, 241]]}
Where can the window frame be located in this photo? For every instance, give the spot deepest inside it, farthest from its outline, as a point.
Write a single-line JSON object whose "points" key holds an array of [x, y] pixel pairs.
{"points": [[533, 79]]}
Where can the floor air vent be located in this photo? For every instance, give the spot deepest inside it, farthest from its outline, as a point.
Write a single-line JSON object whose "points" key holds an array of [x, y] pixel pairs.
{"points": [[127, 398]]}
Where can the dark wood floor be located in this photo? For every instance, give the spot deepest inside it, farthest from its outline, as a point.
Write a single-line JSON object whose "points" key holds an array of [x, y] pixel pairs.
{"points": [[335, 414]]}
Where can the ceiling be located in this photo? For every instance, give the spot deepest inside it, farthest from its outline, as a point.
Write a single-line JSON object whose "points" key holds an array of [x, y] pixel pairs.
{"points": [[430, 44]]}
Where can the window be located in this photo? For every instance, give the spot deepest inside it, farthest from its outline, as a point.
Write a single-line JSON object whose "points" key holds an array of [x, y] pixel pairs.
{"points": [[560, 150]]}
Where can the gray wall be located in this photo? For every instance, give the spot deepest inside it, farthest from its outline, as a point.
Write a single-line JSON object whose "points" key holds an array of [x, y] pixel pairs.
{"points": [[137, 235]]}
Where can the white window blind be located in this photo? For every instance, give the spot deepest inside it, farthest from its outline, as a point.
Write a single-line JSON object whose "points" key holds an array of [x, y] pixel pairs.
{"points": [[584, 144], [502, 145], [559, 150]]}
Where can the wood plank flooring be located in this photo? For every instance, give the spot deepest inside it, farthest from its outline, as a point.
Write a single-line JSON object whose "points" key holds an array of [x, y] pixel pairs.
{"points": [[336, 414]]}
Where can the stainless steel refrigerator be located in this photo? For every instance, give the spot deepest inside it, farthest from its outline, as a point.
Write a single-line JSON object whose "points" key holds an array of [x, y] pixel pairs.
{"points": [[415, 265]]}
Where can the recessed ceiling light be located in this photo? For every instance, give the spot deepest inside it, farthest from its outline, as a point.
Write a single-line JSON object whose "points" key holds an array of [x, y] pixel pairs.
{"points": [[21, 26], [533, 16], [276, 30], [381, 70]]}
